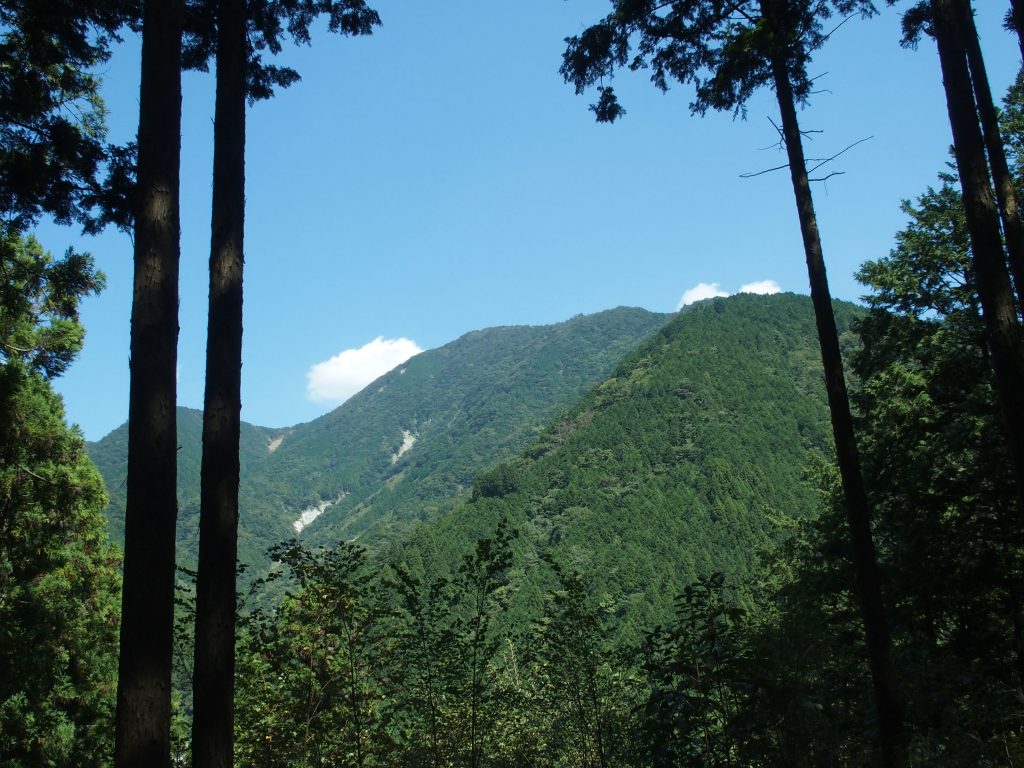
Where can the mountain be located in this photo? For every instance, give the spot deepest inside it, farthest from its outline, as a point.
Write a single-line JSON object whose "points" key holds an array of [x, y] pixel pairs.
{"points": [[408, 446], [110, 455], [689, 458]]}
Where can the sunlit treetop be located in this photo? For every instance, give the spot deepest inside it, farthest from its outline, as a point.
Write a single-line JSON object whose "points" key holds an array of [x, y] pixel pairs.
{"points": [[39, 297]]}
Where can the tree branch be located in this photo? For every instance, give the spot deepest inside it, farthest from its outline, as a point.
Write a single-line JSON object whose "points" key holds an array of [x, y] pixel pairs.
{"points": [[837, 154], [23, 468], [761, 173], [826, 178]]}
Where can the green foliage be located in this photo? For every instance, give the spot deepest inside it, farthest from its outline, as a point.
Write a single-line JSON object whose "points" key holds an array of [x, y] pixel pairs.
{"points": [[943, 491], [39, 297], [448, 693], [478, 586], [425, 691], [307, 689], [949, 538], [52, 120], [723, 47], [364, 665], [583, 701], [692, 669], [59, 584]]}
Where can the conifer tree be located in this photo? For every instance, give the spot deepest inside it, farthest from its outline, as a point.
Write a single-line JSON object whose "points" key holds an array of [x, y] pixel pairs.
{"points": [[147, 614], [241, 33], [729, 49], [58, 572], [995, 293], [1006, 195], [52, 128], [214, 665]]}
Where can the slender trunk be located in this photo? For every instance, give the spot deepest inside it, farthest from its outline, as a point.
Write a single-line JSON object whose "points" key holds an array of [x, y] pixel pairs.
{"points": [[858, 513], [595, 700], [143, 719], [474, 698], [993, 281], [213, 695], [1006, 196], [353, 688], [426, 661], [1015, 20]]}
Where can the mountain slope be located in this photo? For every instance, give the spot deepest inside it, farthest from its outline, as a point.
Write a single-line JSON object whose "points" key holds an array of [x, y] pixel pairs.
{"points": [[457, 410], [685, 461], [467, 406], [111, 456]]}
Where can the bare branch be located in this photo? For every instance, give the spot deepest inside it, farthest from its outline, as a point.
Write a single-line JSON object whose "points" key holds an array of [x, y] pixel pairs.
{"points": [[837, 27], [840, 152], [762, 173], [826, 178]]}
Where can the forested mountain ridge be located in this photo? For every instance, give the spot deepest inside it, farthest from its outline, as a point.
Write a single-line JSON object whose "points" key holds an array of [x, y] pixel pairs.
{"points": [[689, 458], [469, 404], [463, 407]]}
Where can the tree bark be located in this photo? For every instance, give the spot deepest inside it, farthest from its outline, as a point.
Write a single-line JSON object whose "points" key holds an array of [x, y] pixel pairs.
{"points": [[1006, 196], [213, 695], [865, 562], [993, 281], [143, 718]]}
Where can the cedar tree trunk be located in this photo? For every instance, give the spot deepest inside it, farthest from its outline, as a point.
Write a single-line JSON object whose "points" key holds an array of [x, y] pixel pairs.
{"points": [[858, 513], [994, 290], [213, 691], [143, 719], [1006, 196]]}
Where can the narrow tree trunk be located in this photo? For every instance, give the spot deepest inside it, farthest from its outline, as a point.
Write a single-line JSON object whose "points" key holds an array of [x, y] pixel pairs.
{"points": [[143, 719], [1006, 196], [869, 582], [993, 281], [213, 695], [1015, 20]]}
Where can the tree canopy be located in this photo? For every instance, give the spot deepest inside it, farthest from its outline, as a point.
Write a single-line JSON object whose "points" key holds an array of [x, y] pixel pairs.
{"points": [[59, 583]]}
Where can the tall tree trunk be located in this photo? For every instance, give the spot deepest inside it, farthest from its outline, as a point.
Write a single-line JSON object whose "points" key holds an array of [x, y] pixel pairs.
{"points": [[213, 696], [1015, 21], [858, 513], [993, 281], [143, 719], [1006, 196]]}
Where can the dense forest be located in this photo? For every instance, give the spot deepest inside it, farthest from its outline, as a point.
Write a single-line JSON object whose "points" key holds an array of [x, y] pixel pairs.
{"points": [[769, 530]]}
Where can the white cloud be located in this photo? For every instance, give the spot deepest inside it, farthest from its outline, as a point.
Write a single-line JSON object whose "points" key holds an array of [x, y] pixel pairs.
{"points": [[337, 379], [699, 292], [761, 286]]}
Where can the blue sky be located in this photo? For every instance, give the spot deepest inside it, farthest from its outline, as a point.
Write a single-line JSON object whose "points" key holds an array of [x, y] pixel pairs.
{"points": [[439, 177]]}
